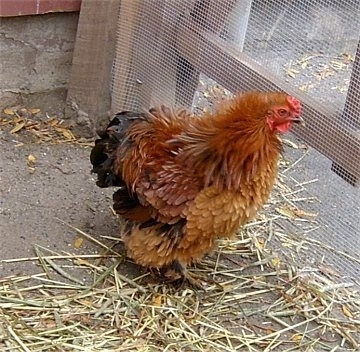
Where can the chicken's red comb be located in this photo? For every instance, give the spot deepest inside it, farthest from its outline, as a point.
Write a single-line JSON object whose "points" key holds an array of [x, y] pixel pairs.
{"points": [[294, 103]]}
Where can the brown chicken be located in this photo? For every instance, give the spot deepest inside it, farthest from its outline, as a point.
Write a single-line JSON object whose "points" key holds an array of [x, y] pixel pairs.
{"points": [[185, 180]]}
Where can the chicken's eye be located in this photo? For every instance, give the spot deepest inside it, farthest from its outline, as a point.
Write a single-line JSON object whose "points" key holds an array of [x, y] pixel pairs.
{"points": [[282, 112]]}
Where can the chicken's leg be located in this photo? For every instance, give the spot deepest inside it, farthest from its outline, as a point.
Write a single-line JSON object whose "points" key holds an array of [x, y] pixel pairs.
{"points": [[178, 271]]}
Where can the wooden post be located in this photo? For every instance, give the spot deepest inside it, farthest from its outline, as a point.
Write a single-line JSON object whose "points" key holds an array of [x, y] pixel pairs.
{"points": [[238, 22], [142, 66], [210, 15], [124, 84], [148, 68], [159, 73], [351, 118], [89, 86]]}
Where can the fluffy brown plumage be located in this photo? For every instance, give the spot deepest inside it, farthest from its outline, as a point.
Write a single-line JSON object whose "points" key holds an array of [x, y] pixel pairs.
{"points": [[186, 181]]}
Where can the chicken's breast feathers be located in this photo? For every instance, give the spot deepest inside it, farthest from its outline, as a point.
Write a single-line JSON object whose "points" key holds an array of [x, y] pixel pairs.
{"points": [[217, 213]]}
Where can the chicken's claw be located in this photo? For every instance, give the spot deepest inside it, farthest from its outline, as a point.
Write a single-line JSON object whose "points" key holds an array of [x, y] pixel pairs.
{"points": [[177, 273], [195, 280]]}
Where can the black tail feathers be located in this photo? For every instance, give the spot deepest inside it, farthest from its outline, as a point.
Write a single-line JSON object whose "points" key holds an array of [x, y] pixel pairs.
{"points": [[103, 154]]}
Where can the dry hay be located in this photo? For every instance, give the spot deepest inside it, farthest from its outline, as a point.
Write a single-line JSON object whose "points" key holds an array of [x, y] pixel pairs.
{"points": [[308, 72], [41, 127], [255, 299]]}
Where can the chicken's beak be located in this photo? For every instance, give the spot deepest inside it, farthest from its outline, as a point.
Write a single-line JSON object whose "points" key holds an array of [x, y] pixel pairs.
{"points": [[112, 130], [299, 120]]}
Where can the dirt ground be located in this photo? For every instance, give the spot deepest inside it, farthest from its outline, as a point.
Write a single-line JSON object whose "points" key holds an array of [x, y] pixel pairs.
{"points": [[34, 200]]}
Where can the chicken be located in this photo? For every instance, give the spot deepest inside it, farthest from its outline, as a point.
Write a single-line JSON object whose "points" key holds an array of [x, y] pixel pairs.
{"points": [[186, 181]]}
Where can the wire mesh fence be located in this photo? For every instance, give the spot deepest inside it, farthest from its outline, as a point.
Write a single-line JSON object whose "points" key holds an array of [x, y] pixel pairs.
{"points": [[175, 52]]}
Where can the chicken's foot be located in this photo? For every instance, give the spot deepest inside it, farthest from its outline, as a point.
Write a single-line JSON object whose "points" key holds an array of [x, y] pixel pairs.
{"points": [[183, 275]]}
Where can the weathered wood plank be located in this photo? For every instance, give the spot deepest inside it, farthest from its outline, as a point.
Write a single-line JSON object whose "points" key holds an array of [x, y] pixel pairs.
{"points": [[154, 63], [124, 92], [89, 89], [148, 68], [351, 115], [324, 129], [161, 73], [212, 16]]}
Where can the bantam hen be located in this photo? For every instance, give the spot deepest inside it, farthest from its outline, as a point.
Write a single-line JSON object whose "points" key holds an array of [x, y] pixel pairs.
{"points": [[185, 181]]}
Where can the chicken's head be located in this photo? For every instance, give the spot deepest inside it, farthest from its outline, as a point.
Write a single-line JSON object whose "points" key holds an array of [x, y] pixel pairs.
{"points": [[281, 117]]}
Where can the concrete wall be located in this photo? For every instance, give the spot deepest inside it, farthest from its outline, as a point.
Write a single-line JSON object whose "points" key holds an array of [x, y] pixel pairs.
{"points": [[35, 60]]}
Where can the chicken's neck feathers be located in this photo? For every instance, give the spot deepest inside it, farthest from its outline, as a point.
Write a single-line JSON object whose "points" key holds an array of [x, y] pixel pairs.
{"points": [[229, 154]]}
